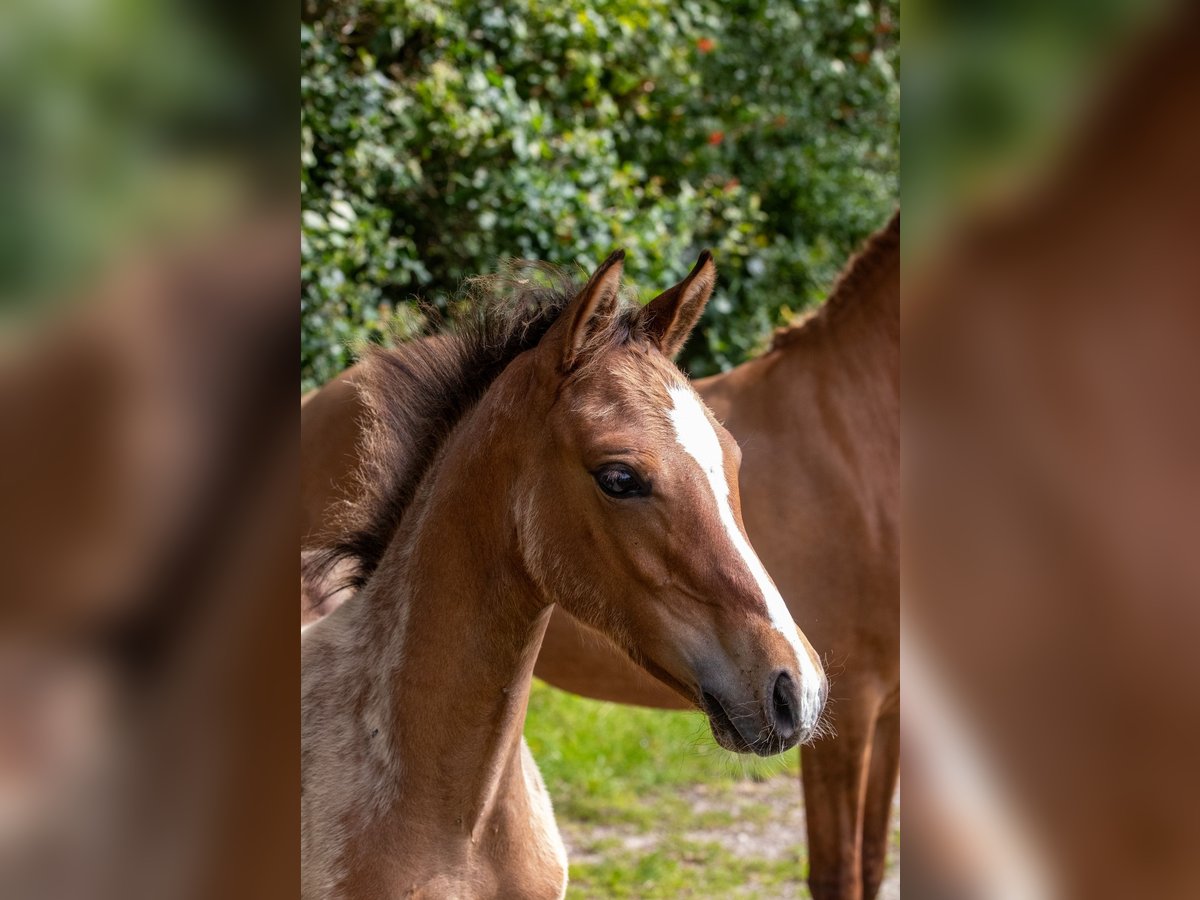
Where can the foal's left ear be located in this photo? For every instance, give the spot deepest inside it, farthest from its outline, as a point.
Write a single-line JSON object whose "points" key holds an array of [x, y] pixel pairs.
{"points": [[590, 309], [670, 317]]}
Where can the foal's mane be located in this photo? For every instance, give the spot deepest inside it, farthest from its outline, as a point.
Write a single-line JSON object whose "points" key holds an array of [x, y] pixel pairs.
{"points": [[416, 392], [851, 288]]}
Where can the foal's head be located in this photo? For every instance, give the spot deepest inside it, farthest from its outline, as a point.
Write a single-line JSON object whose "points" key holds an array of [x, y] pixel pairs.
{"points": [[627, 514]]}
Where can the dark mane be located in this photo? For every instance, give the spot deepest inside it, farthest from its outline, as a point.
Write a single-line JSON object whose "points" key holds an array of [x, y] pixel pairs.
{"points": [[416, 393], [848, 288]]}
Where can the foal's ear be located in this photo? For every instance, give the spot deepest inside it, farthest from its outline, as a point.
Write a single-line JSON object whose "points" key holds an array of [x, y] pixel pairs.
{"points": [[590, 308], [670, 317]]}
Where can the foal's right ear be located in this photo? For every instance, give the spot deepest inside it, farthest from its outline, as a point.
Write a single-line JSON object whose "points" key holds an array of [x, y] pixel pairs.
{"points": [[670, 317], [589, 310]]}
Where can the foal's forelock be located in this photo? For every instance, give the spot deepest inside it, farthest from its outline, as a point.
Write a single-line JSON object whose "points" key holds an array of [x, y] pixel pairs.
{"points": [[634, 385]]}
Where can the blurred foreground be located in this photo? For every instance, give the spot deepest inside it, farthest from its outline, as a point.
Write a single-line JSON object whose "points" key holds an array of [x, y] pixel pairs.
{"points": [[148, 282], [1052, 478], [148, 474]]}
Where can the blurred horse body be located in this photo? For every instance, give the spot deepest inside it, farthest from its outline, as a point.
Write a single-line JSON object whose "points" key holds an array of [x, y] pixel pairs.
{"points": [[1050, 528]]}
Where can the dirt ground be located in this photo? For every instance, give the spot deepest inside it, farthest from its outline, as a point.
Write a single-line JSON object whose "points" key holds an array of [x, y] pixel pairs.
{"points": [[766, 823]]}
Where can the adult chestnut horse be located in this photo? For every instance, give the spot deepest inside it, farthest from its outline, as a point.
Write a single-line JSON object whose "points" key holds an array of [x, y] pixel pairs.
{"points": [[549, 455], [818, 420]]}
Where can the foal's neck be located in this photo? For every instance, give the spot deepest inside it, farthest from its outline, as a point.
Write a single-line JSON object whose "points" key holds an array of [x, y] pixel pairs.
{"points": [[451, 627]]}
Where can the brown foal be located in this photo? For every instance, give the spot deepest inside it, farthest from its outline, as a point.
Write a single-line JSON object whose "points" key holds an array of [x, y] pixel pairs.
{"points": [[550, 456], [818, 418]]}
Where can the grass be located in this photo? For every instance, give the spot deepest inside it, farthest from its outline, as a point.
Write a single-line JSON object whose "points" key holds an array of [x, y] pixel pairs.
{"points": [[682, 868], [651, 807]]}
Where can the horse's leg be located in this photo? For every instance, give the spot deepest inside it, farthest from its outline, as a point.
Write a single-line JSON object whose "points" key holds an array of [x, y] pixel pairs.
{"points": [[881, 787], [834, 774]]}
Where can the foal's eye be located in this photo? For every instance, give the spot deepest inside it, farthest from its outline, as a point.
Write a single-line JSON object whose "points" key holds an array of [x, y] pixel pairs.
{"points": [[620, 481]]}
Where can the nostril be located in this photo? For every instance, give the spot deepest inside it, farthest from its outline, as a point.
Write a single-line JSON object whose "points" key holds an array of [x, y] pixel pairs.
{"points": [[783, 705]]}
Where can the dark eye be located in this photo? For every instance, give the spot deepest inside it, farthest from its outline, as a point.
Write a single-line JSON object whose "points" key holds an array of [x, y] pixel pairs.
{"points": [[620, 481]]}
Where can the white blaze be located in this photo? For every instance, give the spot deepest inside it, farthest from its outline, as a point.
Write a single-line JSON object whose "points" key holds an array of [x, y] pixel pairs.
{"points": [[696, 435]]}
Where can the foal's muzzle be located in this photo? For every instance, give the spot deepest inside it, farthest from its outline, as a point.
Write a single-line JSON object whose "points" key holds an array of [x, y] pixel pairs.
{"points": [[775, 721]]}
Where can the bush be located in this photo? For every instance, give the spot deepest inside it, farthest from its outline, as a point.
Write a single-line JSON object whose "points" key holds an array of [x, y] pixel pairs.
{"points": [[439, 137]]}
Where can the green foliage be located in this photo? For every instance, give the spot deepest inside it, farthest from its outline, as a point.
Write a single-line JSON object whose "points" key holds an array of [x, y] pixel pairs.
{"points": [[441, 136]]}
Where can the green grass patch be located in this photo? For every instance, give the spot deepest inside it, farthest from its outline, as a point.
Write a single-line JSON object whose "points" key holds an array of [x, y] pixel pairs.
{"points": [[680, 868], [597, 755], [652, 808], [623, 781]]}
